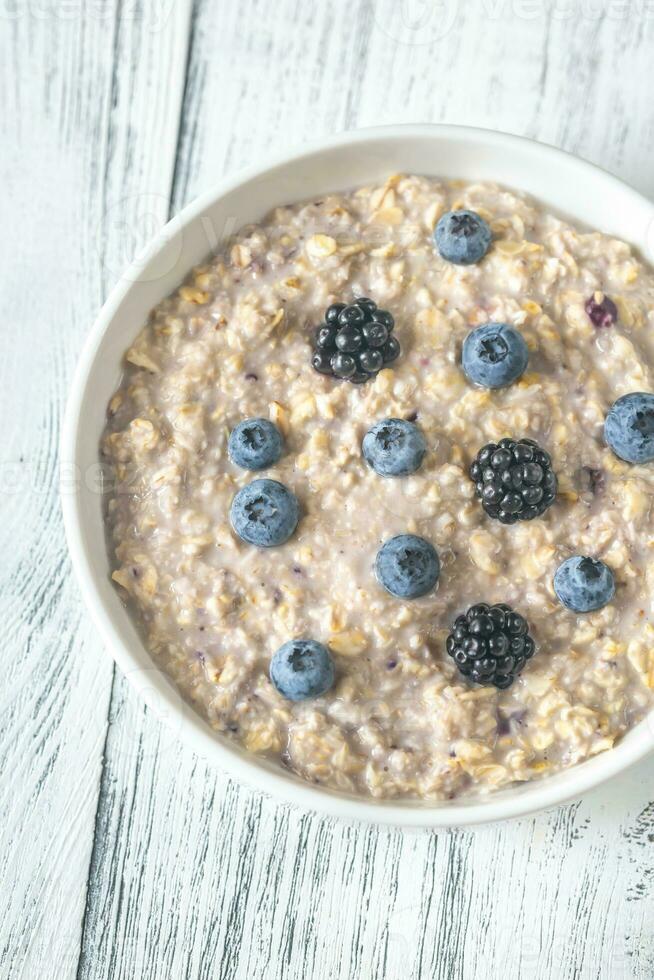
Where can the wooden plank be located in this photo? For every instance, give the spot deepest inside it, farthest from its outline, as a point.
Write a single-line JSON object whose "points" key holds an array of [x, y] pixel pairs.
{"points": [[86, 121]]}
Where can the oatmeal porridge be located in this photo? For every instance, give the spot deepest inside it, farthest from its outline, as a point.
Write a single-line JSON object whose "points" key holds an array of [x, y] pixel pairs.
{"points": [[515, 638]]}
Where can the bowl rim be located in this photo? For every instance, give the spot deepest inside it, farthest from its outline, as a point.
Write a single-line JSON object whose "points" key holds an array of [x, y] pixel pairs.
{"points": [[195, 732]]}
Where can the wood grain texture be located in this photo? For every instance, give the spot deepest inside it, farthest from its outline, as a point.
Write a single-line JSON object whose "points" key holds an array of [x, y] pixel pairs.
{"points": [[86, 124], [121, 854]]}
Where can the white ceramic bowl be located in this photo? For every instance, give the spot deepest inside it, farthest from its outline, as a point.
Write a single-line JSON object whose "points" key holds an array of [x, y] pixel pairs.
{"points": [[561, 182]]}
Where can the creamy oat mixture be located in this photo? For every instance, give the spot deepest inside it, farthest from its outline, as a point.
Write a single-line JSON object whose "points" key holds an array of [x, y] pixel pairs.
{"points": [[235, 342]]}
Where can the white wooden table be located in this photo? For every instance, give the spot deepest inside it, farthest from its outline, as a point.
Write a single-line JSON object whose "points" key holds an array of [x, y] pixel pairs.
{"points": [[122, 855]]}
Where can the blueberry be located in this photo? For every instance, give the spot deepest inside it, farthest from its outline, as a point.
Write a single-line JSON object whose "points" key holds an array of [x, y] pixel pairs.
{"points": [[264, 513], [302, 669], [255, 444], [462, 237], [494, 355], [394, 447], [584, 584], [629, 427], [407, 566]]}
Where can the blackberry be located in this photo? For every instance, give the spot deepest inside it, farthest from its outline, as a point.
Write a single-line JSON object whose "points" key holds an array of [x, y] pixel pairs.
{"points": [[514, 480], [355, 341], [490, 644]]}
